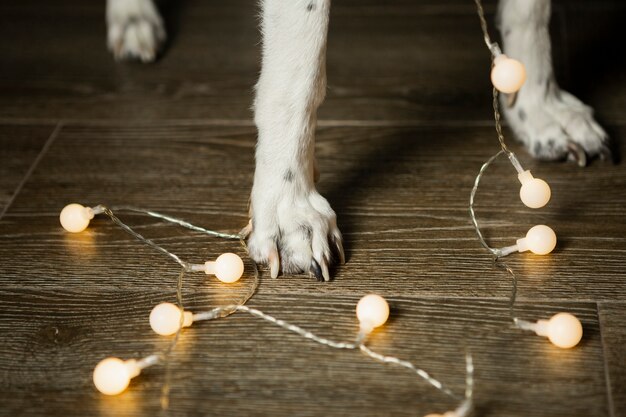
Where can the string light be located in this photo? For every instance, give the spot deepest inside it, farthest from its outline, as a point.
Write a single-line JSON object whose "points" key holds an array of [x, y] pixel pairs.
{"points": [[75, 218], [563, 329], [534, 192], [165, 319], [372, 311], [228, 267], [507, 75], [112, 375]]}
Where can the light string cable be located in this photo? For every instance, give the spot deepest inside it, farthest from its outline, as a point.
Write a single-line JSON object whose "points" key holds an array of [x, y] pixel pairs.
{"points": [[183, 318], [185, 267], [508, 75]]}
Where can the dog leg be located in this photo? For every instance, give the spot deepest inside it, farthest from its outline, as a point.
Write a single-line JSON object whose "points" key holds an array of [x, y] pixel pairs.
{"points": [[292, 225], [551, 122], [135, 29]]}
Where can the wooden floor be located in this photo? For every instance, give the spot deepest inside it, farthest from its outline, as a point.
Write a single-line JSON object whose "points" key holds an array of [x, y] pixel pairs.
{"points": [[404, 129]]}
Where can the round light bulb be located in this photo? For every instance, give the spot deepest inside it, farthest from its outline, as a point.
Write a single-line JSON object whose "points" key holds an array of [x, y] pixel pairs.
{"points": [[165, 319], [540, 240], [507, 75], [535, 192], [112, 375], [372, 311], [228, 268], [563, 330], [75, 217]]}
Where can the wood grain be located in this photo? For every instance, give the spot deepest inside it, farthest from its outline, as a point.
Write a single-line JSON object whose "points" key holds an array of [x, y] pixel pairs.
{"points": [[397, 61], [401, 208], [239, 365], [402, 134]]}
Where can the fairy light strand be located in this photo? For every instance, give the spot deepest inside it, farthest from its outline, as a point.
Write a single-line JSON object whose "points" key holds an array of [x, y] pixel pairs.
{"points": [[563, 329], [219, 312]]}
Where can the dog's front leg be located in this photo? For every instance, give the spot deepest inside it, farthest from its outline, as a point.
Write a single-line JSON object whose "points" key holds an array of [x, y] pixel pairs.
{"points": [[292, 225], [550, 121]]}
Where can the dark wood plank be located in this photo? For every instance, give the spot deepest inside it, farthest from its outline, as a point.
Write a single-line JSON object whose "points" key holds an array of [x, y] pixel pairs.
{"points": [[240, 365], [614, 338], [397, 61], [19, 147], [402, 209]]}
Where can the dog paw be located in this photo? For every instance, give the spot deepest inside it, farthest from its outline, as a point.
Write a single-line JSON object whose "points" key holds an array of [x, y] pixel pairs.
{"points": [[135, 29], [553, 124], [295, 231]]}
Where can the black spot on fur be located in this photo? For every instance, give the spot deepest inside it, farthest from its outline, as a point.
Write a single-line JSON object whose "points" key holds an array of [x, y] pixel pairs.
{"points": [[310, 7], [522, 114], [306, 231], [507, 32], [551, 143], [537, 148], [288, 176]]}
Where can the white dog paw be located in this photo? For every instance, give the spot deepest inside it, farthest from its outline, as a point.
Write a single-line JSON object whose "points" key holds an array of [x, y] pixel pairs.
{"points": [[553, 124], [295, 231], [135, 29]]}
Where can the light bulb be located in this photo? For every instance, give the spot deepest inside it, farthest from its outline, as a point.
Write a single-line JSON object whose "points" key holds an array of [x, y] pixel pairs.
{"points": [[75, 217], [507, 75], [540, 240], [165, 319], [112, 375], [563, 330], [535, 192], [372, 311], [228, 267]]}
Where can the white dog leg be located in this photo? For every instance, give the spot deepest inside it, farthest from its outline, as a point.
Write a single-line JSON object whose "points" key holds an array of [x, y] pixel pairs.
{"points": [[292, 225], [135, 29], [551, 122]]}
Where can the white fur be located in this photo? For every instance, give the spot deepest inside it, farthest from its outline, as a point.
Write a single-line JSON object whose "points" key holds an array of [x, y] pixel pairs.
{"points": [[291, 222], [135, 29], [544, 117]]}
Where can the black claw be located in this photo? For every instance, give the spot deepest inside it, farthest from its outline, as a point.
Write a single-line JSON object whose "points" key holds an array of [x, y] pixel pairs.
{"points": [[606, 154], [578, 153], [316, 270]]}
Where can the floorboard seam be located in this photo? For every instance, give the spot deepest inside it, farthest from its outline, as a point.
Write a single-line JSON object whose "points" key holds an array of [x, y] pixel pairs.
{"points": [[33, 166], [607, 376]]}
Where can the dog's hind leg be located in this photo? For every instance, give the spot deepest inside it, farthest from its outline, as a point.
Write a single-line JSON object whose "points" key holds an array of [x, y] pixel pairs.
{"points": [[135, 29], [551, 122], [292, 225]]}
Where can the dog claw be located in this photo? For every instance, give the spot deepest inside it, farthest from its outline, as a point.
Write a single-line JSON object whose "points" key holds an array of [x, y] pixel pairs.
{"points": [[316, 271], [274, 263], [246, 230], [577, 153], [325, 272], [606, 154], [510, 99], [340, 252]]}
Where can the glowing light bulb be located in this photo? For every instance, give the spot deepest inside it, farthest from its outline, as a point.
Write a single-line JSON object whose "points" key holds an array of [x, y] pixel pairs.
{"points": [[535, 192], [228, 267], [507, 75], [563, 330], [372, 311], [112, 375], [75, 217], [540, 240], [165, 319]]}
